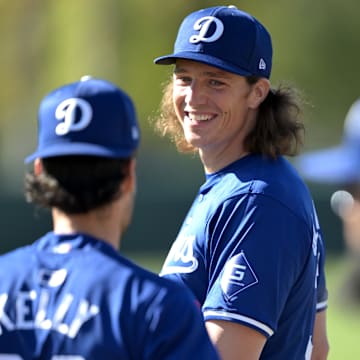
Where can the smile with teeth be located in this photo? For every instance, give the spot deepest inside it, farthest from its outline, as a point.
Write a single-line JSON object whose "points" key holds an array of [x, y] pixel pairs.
{"points": [[199, 117]]}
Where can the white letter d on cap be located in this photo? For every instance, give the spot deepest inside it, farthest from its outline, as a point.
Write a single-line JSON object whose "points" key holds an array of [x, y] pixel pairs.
{"points": [[66, 111], [203, 25]]}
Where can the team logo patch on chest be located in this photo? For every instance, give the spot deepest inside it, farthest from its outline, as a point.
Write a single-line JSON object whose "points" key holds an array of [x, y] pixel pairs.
{"points": [[181, 257], [237, 276]]}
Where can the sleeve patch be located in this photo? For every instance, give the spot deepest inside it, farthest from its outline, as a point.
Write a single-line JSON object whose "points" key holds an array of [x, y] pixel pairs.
{"points": [[237, 276]]}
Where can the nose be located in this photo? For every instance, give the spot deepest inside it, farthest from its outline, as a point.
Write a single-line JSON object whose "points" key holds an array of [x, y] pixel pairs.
{"points": [[195, 93]]}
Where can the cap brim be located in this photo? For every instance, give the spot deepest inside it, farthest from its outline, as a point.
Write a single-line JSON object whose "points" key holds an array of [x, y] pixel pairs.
{"points": [[203, 58], [84, 149], [336, 165]]}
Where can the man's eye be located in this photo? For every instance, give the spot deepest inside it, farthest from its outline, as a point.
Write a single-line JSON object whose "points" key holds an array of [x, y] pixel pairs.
{"points": [[183, 79], [216, 83]]}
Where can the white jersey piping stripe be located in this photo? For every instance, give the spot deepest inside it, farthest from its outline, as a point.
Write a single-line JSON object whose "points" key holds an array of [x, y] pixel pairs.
{"points": [[242, 318], [321, 305]]}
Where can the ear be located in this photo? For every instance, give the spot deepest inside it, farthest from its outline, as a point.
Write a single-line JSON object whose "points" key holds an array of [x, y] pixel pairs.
{"points": [[129, 183], [38, 167], [259, 92]]}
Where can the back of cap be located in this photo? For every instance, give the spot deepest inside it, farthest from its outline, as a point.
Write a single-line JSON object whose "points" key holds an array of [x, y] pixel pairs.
{"points": [[88, 117]]}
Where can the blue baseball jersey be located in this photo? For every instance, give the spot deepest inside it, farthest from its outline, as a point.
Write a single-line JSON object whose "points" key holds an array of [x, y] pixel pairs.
{"points": [[74, 297], [251, 251]]}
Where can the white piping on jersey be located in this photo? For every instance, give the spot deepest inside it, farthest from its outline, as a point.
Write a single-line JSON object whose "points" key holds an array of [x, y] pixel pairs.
{"points": [[242, 318], [321, 305]]}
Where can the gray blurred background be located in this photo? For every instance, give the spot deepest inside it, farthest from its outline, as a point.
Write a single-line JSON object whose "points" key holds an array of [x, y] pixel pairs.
{"points": [[47, 43]]}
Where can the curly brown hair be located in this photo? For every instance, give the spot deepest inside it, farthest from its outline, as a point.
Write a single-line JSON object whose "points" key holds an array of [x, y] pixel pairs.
{"points": [[76, 184], [278, 131]]}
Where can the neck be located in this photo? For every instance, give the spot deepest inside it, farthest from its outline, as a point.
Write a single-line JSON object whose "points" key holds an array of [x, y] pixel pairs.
{"points": [[215, 161], [99, 223]]}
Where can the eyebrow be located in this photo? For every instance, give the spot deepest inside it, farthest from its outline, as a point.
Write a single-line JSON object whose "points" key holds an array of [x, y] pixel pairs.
{"points": [[216, 74]]}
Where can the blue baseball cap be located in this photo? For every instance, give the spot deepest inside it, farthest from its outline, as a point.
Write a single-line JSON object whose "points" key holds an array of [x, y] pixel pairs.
{"points": [[224, 37], [89, 117], [338, 164]]}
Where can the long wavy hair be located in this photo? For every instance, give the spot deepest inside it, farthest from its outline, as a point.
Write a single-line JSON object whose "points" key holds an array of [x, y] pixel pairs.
{"points": [[279, 128]]}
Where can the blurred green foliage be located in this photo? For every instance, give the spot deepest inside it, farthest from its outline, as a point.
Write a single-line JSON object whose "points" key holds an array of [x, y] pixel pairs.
{"points": [[47, 43]]}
